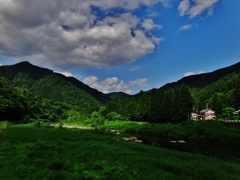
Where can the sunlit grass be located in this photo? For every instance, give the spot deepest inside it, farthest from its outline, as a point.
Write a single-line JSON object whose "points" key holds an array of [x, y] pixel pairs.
{"points": [[3, 125]]}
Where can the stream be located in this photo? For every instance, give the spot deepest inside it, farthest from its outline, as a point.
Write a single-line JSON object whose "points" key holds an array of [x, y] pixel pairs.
{"points": [[218, 150]]}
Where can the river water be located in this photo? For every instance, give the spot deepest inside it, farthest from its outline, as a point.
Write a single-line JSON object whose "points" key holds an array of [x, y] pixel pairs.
{"points": [[218, 150]]}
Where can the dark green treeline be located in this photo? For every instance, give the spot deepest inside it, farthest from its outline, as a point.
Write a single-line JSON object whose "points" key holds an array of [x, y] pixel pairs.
{"points": [[173, 105], [176, 104]]}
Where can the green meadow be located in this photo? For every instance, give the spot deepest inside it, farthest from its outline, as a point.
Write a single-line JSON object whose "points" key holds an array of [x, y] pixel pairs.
{"points": [[28, 152]]}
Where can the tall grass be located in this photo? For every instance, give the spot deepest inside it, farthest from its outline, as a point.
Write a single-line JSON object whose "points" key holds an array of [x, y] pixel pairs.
{"points": [[50, 153]]}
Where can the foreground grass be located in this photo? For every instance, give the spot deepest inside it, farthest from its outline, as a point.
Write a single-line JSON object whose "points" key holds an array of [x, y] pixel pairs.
{"points": [[50, 153]]}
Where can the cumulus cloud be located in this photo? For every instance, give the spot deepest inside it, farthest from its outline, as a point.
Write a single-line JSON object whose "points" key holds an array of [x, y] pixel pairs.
{"points": [[183, 7], [148, 25], [193, 73], [68, 74], [104, 86], [188, 74], [90, 80], [139, 82], [193, 8], [122, 86], [129, 91], [68, 34], [113, 84]]}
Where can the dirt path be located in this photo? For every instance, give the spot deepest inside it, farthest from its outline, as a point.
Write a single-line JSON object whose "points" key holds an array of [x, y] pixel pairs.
{"points": [[73, 126], [78, 127]]}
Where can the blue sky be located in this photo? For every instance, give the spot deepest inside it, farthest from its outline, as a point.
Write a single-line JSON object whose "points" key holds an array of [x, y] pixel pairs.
{"points": [[121, 45]]}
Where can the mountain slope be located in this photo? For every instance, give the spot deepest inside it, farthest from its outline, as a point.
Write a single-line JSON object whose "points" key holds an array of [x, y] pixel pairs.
{"points": [[118, 95], [47, 84], [203, 80]]}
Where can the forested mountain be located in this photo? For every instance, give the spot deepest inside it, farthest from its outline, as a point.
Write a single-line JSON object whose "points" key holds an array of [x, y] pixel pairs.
{"points": [[118, 95], [171, 103], [57, 87], [19, 105], [205, 79], [221, 94], [174, 102]]}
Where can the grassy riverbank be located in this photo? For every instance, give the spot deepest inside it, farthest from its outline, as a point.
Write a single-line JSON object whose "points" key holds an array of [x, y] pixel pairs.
{"points": [[197, 131], [51, 153]]}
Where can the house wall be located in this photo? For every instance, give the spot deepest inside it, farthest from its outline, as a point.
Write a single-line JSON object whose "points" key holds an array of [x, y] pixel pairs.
{"points": [[209, 115]]}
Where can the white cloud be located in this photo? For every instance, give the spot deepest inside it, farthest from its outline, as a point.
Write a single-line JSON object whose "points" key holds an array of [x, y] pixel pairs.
{"points": [[105, 86], [194, 8], [193, 73], [90, 80], [149, 25], [1, 64], [67, 74], [157, 40], [128, 91], [188, 74], [183, 7], [68, 34], [139, 82], [134, 68], [113, 84], [185, 27], [201, 72], [122, 86]]}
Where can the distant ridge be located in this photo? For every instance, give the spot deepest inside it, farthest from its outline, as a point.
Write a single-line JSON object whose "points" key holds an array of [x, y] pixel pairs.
{"points": [[118, 95], [205, 79], [10, 71]]}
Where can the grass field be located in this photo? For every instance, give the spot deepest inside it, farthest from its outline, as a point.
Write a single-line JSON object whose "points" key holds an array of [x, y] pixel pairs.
{"points": [[56, 153]]}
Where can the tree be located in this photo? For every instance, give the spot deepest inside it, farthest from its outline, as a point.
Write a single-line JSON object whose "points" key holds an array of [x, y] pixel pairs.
{"points": [[228, 111]]}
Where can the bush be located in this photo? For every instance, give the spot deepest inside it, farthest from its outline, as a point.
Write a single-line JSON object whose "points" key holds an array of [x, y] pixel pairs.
{"points": [[60, 126], [113, 116], [96, 119], [37, 123]]}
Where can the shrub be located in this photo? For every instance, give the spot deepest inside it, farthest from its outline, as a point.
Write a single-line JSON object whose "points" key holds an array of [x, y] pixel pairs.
{"points": [[60, 126], [37, 123], [113, 116]]}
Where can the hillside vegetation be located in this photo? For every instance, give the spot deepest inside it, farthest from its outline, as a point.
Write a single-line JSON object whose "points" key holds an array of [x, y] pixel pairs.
{"points": [[204, 79], [54, 86], [21, 106], [219, 90], [118, 95], [157, 105]]}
